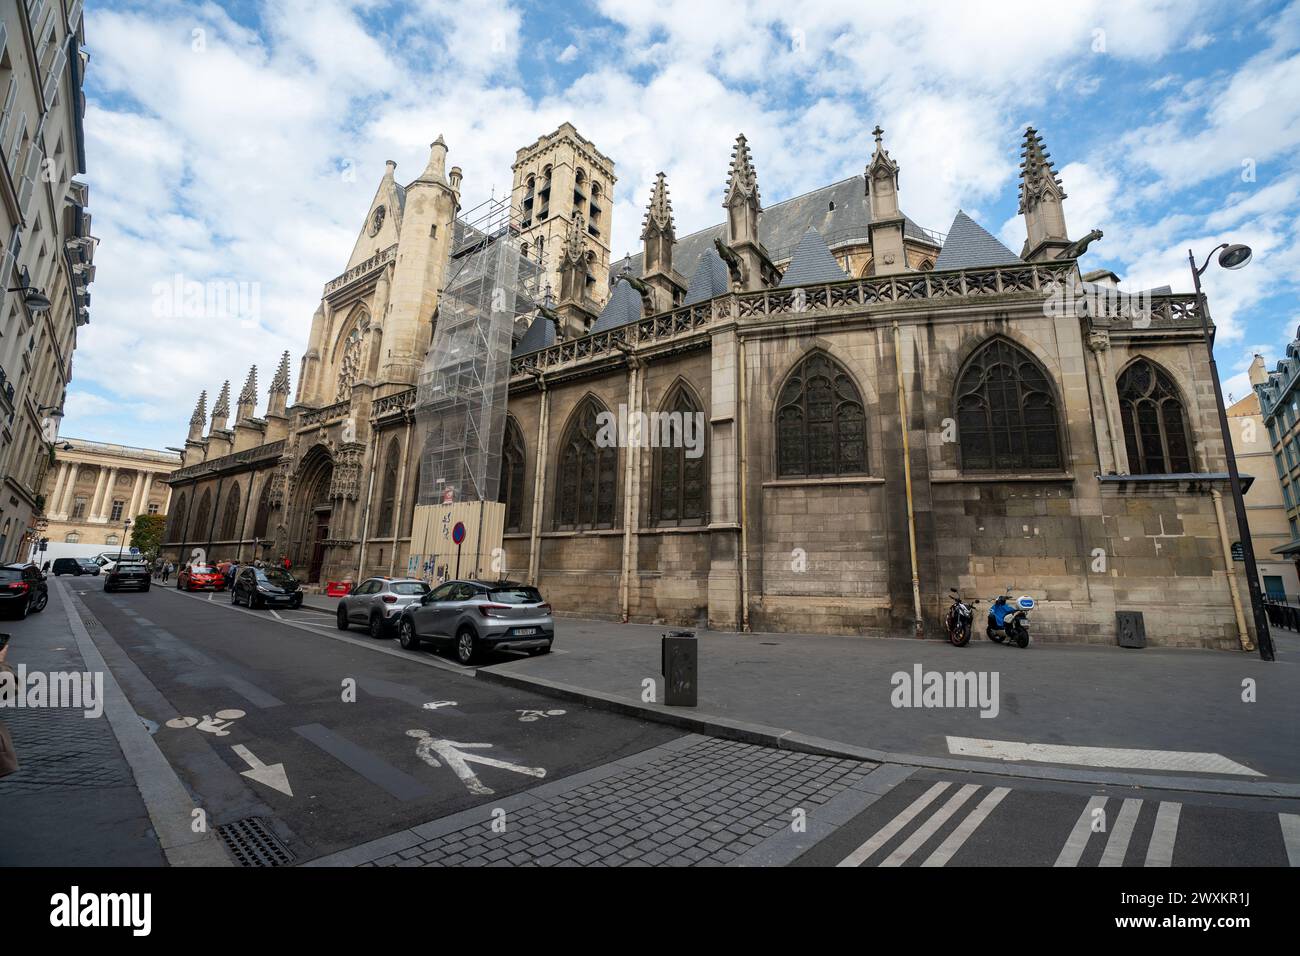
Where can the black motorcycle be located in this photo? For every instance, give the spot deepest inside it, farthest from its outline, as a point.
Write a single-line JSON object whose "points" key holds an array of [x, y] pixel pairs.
{"points": [[959, 619]]}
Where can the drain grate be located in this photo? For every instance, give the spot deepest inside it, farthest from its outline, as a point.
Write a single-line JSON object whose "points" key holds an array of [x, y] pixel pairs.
{"points": [[253, 843]]}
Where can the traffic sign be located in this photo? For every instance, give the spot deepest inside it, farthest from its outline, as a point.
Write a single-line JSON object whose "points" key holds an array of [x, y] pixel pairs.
{"points": [[458, 532]]}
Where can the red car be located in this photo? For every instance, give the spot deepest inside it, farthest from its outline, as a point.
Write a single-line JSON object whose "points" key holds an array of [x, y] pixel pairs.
{"points": [[200, 577]]}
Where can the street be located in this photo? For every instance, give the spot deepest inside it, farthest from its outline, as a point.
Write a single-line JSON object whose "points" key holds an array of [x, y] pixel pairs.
{"points": [[296, 743]]}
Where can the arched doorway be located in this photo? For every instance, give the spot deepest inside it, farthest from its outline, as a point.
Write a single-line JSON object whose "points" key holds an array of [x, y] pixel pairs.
{"points": [[312, 511]]}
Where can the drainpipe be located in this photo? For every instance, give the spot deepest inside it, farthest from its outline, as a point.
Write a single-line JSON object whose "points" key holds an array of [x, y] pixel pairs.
{"points": [[743, 469], [907, 481], [1243, 636], [365, 515], [630, 491], [401, 494], [539, 477]]}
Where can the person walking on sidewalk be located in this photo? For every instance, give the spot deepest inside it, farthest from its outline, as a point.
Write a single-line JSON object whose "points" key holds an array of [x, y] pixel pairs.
{"points": [[8, 757]]}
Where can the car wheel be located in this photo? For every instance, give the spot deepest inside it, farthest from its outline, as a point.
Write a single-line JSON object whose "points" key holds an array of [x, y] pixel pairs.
{"points": [[41, 601], [234, 596], [376, 626], [406, 635], [341, 618], [467, 650]]}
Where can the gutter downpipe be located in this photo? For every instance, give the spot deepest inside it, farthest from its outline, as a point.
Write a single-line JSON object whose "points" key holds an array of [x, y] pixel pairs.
{"points": [[1243, 635], [365, 515], [630, 512], [919, 624], [401, 496], [744, 485], [539, 478]]}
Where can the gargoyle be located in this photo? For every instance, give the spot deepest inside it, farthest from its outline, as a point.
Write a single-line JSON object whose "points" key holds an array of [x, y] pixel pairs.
{"points": [[732, 261], [1079, 247]]}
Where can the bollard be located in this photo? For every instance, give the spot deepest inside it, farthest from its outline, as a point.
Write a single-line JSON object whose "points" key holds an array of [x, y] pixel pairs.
{"points": [[679, 663]]}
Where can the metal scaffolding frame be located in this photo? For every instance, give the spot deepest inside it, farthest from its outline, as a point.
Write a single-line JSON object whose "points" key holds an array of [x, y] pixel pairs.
{"points": [[460, 403]]}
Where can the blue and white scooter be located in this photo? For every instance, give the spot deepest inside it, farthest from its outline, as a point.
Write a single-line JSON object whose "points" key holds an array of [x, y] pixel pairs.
{"points": [[1009, 620]]}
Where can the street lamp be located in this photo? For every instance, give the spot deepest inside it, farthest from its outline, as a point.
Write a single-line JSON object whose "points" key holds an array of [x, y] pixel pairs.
{"points": [[126, 526], [1233, 256], [36, 300]]}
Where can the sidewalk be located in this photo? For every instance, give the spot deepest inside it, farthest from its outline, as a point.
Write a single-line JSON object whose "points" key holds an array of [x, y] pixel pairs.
{"points": [[838, 689], [73, 800]]}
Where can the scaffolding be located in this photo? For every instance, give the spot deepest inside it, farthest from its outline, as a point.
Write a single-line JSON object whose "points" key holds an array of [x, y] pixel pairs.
{"points": [[460, 404]]}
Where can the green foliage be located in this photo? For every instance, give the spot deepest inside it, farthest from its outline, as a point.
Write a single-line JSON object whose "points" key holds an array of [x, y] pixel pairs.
{"points": [[147, 533]]}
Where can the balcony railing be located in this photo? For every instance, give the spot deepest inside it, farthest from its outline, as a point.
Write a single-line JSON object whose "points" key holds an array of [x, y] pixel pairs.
{"points": [[329, 413], [392, 403], [248, 456], [362, 269]]}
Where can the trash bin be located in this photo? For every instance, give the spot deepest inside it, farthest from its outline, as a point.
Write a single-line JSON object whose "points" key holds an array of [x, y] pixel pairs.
{"points": [[680, 664]]}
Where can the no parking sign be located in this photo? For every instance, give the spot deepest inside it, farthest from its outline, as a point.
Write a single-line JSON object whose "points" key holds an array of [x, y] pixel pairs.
{"points": [[458, 536]]}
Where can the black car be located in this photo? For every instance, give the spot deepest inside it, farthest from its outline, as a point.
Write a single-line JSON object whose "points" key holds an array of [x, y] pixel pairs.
{"points": [[266, 587], [128, 574], [22, 590], [75, 566]]}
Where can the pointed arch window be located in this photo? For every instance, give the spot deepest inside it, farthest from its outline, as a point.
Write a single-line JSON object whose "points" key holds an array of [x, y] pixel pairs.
{"points": [[680, 490], [388, 491], [1006, 412], [511, 491], [263, 518], [349, 366], [230, 520], [1155, 424], [176, 520], [820, 424], [200, 530], [588, 474]]}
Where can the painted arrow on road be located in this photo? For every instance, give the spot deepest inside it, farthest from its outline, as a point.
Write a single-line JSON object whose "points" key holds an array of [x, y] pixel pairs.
{"points": [[273, 776], [430, 748]]}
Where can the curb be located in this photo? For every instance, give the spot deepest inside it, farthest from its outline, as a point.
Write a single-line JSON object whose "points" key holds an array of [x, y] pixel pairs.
{"points": [[785, 739]]}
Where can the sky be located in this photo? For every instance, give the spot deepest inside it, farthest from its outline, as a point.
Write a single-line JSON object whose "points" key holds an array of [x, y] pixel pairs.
{"points": [[238, 145]]}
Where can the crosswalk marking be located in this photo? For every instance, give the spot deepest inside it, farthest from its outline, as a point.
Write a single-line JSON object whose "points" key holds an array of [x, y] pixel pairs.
{"points": [[886, 833], [957, 839], [1121, 833], [929, 827], [1122, 757], [1290, 823], [1073, 848], [1160, 852]]}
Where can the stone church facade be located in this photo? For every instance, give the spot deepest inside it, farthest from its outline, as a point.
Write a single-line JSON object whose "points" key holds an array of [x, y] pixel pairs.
{"points": [[889, 412]]}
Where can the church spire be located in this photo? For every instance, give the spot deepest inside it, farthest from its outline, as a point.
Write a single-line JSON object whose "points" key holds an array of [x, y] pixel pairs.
{"points": [[247, 403], [221, 410], [658, 234], [659, 212], [199, 418], [1041, 195], [888, 254], [279, 390], [436, 170], [742, 178]]}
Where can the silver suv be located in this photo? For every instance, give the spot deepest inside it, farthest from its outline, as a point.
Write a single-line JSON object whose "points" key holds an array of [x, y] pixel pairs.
{"points": [[477, 616], [378, 602]]}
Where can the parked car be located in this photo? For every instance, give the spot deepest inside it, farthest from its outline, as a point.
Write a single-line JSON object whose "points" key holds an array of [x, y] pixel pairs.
{"points": [[378, 603], [200, 577], [477, 616], [22, 590], [128, 574], [266, 587], [75, 566], [108, 560]]}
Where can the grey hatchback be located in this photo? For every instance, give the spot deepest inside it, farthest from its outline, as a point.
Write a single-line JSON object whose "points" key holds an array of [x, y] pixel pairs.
{"points": [[378, 602], [476, 616]]}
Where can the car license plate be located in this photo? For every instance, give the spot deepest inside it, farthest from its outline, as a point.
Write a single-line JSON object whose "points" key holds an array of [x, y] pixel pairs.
{"points": [[525, 631]]}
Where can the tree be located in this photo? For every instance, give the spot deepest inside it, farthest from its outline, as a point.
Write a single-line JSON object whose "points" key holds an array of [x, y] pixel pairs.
{"points": [[147, 533]]}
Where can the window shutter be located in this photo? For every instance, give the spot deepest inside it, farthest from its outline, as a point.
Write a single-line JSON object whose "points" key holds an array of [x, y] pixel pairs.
{"points": [[30, 174], [8, 110], [74, 15], [52, 79]]}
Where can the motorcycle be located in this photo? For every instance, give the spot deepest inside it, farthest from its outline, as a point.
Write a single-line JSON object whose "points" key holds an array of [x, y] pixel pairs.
{"points": [[959, 619], [1010, 621]]}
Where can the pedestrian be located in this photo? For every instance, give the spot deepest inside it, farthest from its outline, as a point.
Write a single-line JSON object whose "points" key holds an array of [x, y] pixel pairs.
{"points": [[8, 757], [167, 571], [286, 563], [231, 570]]}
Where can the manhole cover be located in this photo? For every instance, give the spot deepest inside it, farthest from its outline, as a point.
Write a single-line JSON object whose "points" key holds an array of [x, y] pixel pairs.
{"points": [[253, 843]]}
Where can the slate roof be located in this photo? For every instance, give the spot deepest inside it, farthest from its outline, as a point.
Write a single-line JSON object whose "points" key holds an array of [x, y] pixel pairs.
{"points": [[623, 308], [709, 279], [782, 225], [540, 334], [811, 263], [969, 245]]}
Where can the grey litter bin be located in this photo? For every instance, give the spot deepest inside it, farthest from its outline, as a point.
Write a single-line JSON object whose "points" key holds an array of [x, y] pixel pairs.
{"points": [[680, 664]]}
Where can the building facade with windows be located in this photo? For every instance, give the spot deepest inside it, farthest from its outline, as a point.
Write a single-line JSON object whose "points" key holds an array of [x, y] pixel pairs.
{"points": [[94, 487], [885, 412], [46, 250], [1278, 393]]}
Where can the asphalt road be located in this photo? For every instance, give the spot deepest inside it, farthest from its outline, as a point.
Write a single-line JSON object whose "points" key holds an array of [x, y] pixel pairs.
{"points": [[352, 765]]}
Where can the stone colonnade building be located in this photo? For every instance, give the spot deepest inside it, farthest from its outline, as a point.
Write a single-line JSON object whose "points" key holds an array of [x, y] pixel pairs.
{"points": [[95, 486], [886, 412]]}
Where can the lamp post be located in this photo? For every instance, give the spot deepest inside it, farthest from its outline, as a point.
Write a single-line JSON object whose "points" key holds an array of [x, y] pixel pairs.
{"points": [[1233, 256], [126, 527]]}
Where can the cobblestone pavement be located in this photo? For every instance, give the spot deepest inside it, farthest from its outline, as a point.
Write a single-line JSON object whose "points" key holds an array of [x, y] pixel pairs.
{"points": [[707, 804]]}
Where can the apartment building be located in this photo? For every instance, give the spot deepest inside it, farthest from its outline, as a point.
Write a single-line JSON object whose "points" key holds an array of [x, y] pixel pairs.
{"points": [[46, 250]]}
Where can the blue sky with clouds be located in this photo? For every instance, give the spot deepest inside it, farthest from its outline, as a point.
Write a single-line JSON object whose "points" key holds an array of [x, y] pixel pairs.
{"points": [[239, 144]]}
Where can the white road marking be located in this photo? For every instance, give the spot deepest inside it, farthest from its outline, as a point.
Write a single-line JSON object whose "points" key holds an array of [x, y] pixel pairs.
{"points": [[450, 751], [435, 704], [1073, 848], [1121, 833], [1173, 760], [1160, 852], [209, 595], [929, 827], [273, 775], [957, 839], [887, 832], [276, 615], [1290, 823]]}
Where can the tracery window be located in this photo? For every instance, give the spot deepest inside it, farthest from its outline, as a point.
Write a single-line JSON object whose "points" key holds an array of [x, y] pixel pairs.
{"points": [[511, 491], [1155, 426], [388, 491], [680, 491], [1006, 412], [230, 520], [588, 474], [820, 424], [349, 366]]}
